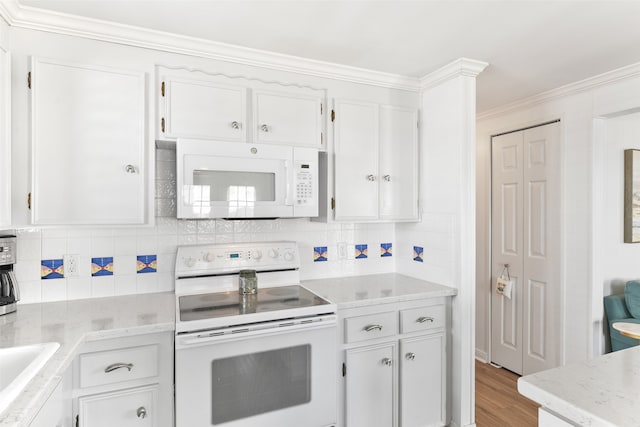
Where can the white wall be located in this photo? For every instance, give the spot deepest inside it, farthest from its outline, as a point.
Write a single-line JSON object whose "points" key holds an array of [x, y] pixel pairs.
{"points": [[587, 110]]}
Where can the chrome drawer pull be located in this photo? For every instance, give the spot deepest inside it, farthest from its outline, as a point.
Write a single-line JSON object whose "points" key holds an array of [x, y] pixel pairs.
{"points": [[116, 366], [373, 328], [141, 412], [424, 319], [386, 361]]}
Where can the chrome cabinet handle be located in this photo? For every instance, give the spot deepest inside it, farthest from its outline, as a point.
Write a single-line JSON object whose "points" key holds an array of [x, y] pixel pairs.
{"points": [[264, 128], [424, 319], [387, 362], [130, 169], [371, 177], [387, 178], [373, 328], [141, 412], [117, 366], [410, 356], [235, 125]]}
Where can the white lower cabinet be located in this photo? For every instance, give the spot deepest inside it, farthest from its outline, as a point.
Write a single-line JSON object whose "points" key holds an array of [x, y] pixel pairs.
{"points": [[56, 412], [124, 382], [370, 386], [394, 364], [125, 408]]}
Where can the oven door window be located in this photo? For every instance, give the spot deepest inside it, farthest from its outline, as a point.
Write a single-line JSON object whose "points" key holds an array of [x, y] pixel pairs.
{"points": [[251, 384], [237, 188]]}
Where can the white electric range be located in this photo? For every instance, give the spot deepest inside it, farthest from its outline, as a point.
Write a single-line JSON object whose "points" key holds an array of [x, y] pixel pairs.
{"points": [[267, 359]]}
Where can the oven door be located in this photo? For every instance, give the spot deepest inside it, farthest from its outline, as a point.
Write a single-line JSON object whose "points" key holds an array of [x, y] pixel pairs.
{"points": [[233, 180], [283, 376]]}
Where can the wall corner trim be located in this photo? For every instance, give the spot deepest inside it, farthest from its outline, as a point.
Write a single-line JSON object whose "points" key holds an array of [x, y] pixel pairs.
{"points": [[460, 67], [21, 16]]}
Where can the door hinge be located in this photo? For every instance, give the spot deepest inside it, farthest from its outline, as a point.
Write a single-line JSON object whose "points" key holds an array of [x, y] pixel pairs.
{"points": [[77, 420], [162, 88], [333, 203], [333, 115], [321, 138], [29, 79], [162, 124], [29, 201], [321, 108], [344, 370]]}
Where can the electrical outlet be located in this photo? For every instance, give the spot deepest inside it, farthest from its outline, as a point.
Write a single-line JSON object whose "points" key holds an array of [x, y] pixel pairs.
{"points": [[70, 265]]}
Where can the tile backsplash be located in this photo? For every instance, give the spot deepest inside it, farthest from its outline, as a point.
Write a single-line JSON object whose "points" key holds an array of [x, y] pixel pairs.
{"points": [[127, 260]]}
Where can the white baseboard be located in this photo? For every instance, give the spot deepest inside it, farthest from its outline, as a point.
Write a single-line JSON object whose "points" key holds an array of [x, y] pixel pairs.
{"points": [[482, 356]]}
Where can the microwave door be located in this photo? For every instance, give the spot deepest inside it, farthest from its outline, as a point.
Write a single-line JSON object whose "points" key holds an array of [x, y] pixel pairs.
{"points": [[233, 187]]}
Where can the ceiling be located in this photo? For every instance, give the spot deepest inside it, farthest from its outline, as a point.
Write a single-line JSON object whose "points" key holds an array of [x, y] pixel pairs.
{"points": [[531, 46]]}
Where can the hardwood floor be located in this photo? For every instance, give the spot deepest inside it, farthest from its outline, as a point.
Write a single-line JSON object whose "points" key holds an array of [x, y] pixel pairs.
{"points": [[498, 403]]}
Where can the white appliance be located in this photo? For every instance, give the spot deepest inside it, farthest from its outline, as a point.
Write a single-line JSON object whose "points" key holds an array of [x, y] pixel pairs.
{"points": [[236, 180], [268, 359]]}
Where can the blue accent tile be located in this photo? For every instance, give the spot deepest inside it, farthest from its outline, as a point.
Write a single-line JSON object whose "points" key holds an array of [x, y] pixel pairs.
{"points": [[147, 264], [361, 251], [319, 253], [418, 253], [386, 249], [51, 269], [102, 266]]}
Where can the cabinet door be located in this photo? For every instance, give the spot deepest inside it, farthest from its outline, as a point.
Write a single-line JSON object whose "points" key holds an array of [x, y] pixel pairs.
{"points": [[370, 386], [282, 118], [5, 138], [398, 163], [422, 381], [356, 160], [126, 408], [88, 144], [201, 109]]}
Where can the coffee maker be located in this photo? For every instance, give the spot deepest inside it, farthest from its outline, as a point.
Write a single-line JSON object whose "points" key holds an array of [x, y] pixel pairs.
{"points": [[9, 292]]}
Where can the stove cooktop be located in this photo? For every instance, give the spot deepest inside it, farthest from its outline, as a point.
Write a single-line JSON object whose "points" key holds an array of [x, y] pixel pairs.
{"points": [[231, 303]]}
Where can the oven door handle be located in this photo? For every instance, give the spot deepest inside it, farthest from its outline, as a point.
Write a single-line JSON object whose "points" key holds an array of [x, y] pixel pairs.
{"points": [[200, 338]]}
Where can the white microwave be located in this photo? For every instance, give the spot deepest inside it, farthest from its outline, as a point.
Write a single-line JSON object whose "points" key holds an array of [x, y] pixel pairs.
{"points": [[218, 179]]}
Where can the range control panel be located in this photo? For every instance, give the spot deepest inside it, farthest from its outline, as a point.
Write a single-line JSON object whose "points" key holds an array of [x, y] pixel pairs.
{"points": [[203, 260]]}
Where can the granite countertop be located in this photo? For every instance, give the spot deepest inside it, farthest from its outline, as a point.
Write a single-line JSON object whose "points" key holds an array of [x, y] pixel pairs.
{"points": [[604, 391], [70, 323], [361, 291]]}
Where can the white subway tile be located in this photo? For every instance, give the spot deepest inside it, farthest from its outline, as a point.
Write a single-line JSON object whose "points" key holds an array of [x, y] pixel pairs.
{"points": [[78, 288], [30, 291], [102, 286], [54, 290], [125, 285]]}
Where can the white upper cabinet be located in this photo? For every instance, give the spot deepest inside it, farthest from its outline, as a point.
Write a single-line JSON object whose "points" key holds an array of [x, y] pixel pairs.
{"points": [[287, 119], [88, 144], [398, 163], [193, 108], [376, 162], [196, 104], [356, 160], [5, 138]]}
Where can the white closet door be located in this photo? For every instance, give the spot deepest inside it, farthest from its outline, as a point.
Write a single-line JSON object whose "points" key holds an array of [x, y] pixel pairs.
{"points": [[506, 234], [526, 329]]}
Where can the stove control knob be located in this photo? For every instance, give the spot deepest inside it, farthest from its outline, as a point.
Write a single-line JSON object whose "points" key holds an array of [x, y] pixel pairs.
{"points": [[288, 256], [273, 253], [190, 262], [256, 254], [210, 257]]}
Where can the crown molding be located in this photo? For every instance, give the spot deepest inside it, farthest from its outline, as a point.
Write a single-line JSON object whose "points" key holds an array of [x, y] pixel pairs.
{"points": [[20, 16], [589, 83], [460, 67]]}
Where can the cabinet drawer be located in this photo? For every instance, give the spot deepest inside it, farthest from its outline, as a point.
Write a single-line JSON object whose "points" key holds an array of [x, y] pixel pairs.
{"points": [[126, 364], [124, 408], [422, 318], [371, 326]]}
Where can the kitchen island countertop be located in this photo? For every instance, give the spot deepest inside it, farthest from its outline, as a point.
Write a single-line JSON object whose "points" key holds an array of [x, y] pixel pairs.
{"points": [[603, 391], [361, 291], [70, 323]]}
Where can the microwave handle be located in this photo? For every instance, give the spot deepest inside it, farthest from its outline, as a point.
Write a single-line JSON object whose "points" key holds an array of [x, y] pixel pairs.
{"points": [[288, 187]]}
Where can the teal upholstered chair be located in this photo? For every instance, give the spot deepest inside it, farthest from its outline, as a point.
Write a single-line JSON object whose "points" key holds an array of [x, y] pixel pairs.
{"points": [[623, 308]]}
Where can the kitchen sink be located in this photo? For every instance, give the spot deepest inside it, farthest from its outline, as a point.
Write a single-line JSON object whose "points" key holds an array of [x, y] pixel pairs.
{"points": [[18, 365]]}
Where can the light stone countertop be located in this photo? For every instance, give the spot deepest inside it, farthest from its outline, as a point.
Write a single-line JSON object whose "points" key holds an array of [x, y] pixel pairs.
{"points": [[71, 323], [604, 391], [362, 291]]}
